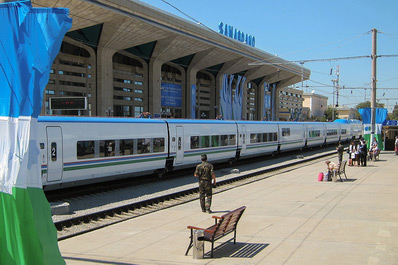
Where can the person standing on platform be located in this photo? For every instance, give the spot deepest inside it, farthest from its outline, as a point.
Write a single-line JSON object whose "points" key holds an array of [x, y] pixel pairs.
{"points": [[205, 172], [340, 152], [351, 153], [363, 153]]}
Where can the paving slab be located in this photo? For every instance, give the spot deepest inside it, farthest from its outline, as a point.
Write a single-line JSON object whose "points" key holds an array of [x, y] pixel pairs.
{"points": [[291, 218]]}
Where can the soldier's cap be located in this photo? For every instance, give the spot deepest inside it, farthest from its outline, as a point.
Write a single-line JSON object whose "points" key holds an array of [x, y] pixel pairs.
{"points": [[203, 157]]}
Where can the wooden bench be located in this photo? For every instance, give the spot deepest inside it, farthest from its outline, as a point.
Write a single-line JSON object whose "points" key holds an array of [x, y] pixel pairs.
{"points": [[223, 226], [341, 170]]}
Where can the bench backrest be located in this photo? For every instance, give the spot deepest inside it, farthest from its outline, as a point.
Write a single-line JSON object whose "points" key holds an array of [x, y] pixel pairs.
{"points": [[228, 222], [342, 166]]}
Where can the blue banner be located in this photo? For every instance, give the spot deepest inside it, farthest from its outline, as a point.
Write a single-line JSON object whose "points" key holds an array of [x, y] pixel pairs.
{"points": [[267, 102], [193, 101], [238, 98], [366, 114], [29, 46], [171, 95], [226, 97]]}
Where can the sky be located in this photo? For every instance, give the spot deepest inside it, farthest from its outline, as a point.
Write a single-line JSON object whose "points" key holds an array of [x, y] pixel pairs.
{"points": [[320, 30]]}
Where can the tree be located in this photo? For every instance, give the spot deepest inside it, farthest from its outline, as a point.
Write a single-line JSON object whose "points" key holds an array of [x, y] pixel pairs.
{"points": [[394, 115], [364, 105], [367, 104], [328, 115]]}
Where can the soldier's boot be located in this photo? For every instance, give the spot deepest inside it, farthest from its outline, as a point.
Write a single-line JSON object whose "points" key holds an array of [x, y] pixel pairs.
{"points": [[208, 204]]}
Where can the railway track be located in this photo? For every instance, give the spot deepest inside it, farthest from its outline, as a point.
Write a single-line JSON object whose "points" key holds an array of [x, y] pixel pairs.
{"points": [[98, 219]]}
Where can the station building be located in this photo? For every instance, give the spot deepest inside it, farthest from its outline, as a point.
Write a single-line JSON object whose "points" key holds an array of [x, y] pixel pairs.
{"points": [[290, 104], [317, 104], [126, 57]]}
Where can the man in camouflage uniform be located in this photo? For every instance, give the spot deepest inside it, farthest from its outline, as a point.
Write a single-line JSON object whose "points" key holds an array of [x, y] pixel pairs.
{"points": [[204, 171]]}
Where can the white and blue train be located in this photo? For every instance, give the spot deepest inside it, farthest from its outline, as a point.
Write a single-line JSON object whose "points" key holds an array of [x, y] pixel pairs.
{"points": [[83, 150]]}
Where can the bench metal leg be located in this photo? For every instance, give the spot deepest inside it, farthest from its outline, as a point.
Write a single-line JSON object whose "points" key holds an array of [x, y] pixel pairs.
{"points": [[190, 243], [338, 173]]}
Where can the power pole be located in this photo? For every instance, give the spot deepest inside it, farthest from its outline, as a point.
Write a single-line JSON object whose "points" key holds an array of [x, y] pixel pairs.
{"points": [[374, 80], [336, 87]]}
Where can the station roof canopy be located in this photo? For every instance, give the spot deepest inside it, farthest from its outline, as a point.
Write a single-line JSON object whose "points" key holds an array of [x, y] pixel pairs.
{"points": [[152, 33]]}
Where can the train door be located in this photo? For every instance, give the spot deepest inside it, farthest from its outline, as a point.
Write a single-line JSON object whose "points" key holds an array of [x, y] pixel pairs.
{"points": [[54, 154], [180, 145], [242, 139]]}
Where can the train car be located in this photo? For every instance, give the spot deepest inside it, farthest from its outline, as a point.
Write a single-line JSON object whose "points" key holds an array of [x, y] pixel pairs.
{"points": [[315, 134], [345, 132], [77, 150], [333, 132], [257, 138], [191, 138], [291, 136], [83, 150], [356, 129]]}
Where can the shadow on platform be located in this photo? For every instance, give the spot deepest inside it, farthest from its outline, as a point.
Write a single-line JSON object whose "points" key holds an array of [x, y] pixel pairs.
{"points": [[238, 250], [97, 261]]}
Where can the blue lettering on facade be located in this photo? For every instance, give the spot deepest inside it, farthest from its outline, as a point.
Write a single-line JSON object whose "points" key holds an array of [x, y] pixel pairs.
{"points": [[236, 34], [220, 28]]}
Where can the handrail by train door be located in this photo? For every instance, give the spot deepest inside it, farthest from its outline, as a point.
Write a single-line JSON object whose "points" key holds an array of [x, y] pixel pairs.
{"points": [[180, 145], [242, 140]]}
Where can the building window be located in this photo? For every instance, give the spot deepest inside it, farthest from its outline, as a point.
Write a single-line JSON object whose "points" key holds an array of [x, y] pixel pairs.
{"points": [[138, 110]]}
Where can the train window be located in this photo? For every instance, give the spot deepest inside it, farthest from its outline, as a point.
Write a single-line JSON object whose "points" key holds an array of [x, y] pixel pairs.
{"points": [[253, 138], [126, 147], [343, 131], [179, 143], [331, 132], [232, 139], [194, 142], [143, 146], [215, 140], [158, 145], [85, 149], [224, 140], [204, 141], [53, 151], [274, 136], [315, 133], [285, 131], [107, 148], [266, 137]]}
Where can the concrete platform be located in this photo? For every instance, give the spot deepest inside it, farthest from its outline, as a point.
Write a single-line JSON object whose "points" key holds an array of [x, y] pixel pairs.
{"points": [[290, 218]]}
